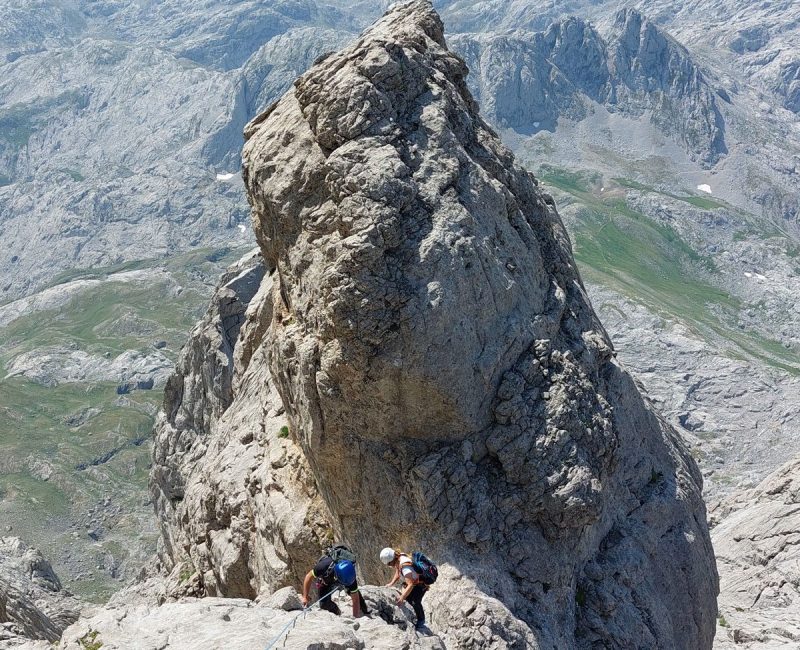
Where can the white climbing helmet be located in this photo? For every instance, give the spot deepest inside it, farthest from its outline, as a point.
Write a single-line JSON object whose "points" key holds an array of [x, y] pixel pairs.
{"points": [[387, 555]]}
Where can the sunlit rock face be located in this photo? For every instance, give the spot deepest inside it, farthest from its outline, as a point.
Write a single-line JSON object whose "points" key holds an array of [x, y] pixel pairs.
{"points": [[443, 370]]}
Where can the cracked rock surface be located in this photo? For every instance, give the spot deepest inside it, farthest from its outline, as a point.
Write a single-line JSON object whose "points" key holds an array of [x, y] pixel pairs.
{"points": [[32, 602], [236, 502], [238, 623], [758, 554], [418, 364]]}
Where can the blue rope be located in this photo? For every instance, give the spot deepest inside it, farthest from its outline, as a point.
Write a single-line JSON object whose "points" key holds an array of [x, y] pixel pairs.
{"points": [[293, 621]]}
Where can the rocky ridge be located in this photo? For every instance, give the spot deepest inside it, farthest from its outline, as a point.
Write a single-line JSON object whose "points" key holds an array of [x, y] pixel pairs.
{"points": [[234, 622], [709, 419], [395, 216], [637, 69], [244, 489]]}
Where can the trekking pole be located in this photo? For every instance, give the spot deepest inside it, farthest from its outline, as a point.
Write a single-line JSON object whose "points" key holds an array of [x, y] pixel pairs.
{"points": [[290, 625]]}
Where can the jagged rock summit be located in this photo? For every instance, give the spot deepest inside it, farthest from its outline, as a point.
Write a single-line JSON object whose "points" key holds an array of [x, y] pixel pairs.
{"points": [[527, 81], [423, 335]]}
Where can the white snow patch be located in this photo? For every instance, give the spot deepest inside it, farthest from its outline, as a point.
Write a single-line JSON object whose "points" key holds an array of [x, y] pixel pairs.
{"points": [[761, 277], [704, 188], [241, 227], [602, 189], [536, 125], [225, 177], [748, 275]]}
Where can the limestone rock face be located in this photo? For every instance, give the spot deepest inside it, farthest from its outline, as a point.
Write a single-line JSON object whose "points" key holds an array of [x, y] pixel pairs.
{"points": [[237, 505], [443, 372], [199, 391], [527, 81], [757, 541], [32, 603]]}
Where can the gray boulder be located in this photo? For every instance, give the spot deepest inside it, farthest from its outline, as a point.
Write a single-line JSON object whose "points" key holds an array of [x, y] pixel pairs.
{"points": [[32, 602]]}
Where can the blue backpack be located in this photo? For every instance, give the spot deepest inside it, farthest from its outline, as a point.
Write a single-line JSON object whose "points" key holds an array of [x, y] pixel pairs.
{"points": [[425, 568]]}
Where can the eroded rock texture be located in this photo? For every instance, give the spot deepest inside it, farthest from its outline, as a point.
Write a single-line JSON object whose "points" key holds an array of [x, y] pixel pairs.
{"points": [[427, 341], [237, 505], [236, 623], [32, 602], [527, 81], [758, 554]]}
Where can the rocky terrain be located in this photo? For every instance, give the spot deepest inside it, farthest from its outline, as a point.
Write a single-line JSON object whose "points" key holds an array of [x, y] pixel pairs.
{"points": [[674, 171], [757, 541], [169, 181], [233, 622], [404, 238], [32, 603]]}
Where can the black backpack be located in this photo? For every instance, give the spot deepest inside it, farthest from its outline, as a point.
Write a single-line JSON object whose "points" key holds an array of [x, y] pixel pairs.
{"points": [[340, 552], [425, 568]]}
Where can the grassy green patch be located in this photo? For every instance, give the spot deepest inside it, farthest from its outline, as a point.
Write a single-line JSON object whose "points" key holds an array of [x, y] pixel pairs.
{"points": [[74, 174], [16, 125], [89, 641], [19, 122], [46, 435], [187, 571], [41, 498], [703, 202], [65, 449], [120, 315], [574, 182], [650, 262], [647, 259]]}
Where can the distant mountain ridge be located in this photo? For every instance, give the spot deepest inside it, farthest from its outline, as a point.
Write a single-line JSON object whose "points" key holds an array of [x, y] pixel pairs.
{"points": [[117, 117], [528, 80]]}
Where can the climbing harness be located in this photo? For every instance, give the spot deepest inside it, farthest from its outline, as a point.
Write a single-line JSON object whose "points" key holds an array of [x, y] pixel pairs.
{"points": [[290, 625]]}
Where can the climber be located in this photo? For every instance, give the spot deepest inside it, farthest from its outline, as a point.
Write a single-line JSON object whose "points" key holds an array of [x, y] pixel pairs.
{"points": [[330, 572], [418, 572]]}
